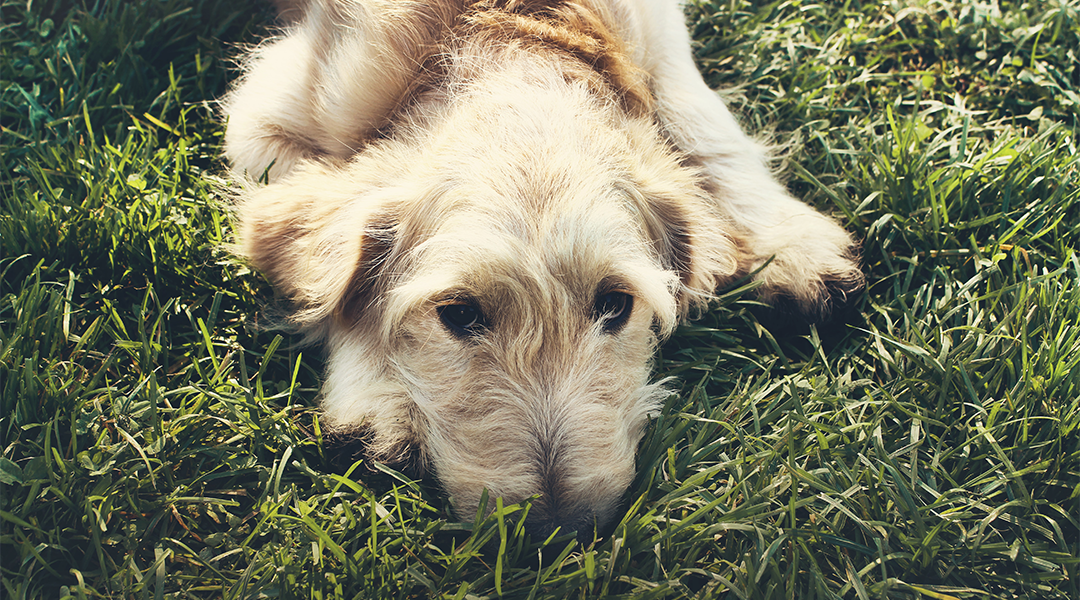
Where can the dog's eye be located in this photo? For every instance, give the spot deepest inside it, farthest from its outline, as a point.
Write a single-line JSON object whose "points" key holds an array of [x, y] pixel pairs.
{"points": [[614, 308], [463, 320]]}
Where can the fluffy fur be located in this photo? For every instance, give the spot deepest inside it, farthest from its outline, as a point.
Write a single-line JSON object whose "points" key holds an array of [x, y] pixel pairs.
{"points": [[526, 159]]}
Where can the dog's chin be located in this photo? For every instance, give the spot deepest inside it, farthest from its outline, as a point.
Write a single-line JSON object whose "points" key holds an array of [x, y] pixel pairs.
{"points": [[544, 520], [586, 523]]}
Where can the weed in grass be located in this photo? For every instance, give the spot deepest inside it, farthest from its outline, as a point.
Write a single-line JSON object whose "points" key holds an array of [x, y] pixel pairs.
{"points": [[157, 441]]}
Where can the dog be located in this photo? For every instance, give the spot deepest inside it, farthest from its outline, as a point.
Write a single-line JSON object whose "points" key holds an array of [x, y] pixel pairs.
{"points": [[491, 212]]}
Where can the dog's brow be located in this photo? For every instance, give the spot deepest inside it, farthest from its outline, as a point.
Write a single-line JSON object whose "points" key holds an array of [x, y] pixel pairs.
{"points": [[453, 296], [614, 283]]}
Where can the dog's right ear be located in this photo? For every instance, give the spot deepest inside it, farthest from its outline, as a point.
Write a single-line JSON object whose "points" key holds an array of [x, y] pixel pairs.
{"points": [[320, 237]]}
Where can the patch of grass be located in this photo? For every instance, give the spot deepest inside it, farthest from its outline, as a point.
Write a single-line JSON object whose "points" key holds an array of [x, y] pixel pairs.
{"points": [[158, 442]]}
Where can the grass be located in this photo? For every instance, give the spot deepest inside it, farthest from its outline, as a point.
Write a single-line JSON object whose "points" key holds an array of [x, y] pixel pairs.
{"points": [[157, 442]]}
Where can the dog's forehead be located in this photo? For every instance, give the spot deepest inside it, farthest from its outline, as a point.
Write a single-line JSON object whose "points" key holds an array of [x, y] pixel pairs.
{"points": [[497, 250], [545, 168], [489, 242], [534, 195], [528, 136]]}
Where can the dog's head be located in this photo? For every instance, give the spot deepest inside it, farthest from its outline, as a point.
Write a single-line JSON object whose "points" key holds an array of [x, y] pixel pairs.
{"points": [[492, 283]]}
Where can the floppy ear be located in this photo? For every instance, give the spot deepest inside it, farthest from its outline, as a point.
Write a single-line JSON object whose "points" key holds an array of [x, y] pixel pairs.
{"points": [[697, 244], [319, 236], [688, 234]]}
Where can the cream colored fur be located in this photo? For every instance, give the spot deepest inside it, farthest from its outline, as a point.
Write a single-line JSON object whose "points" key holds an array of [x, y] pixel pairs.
{"points": [[525, 158]]}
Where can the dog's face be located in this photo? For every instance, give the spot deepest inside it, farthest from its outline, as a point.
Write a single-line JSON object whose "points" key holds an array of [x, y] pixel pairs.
{"points": [[524, 344], [492, 283]]}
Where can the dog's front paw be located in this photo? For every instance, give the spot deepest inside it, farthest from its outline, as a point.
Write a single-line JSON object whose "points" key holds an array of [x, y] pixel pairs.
{"points": [[806, 264]]}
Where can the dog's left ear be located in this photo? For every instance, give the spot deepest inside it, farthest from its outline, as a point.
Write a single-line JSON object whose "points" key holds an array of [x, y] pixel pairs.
{"points": [[687, 232], [319, 236]]}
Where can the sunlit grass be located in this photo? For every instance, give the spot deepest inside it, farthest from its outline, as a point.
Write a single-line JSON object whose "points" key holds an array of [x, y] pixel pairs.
{"points": [[158, 441]]}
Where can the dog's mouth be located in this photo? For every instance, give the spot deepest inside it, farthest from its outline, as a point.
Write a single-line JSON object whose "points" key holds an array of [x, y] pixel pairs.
{"points": [[584, 526]]}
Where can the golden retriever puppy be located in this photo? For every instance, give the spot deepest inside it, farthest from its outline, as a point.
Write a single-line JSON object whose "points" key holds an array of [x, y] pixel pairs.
{"points": [[491, 211]]}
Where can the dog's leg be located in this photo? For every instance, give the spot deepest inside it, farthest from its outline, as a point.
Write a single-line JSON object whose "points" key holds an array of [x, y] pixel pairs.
{"points": [[271, 126], [812, 257], [329, 83]]}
